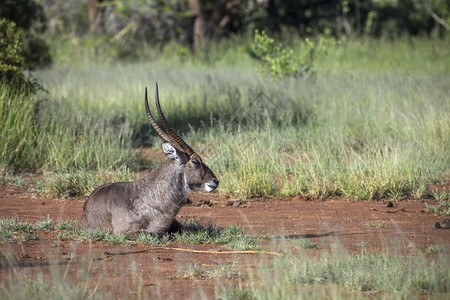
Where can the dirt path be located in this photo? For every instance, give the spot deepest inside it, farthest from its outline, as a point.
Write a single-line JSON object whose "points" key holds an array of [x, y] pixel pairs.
{"points": [[159, 272]]}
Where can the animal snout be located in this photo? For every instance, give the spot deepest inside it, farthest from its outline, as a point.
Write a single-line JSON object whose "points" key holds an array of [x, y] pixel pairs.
{"points": [[212, 185]]}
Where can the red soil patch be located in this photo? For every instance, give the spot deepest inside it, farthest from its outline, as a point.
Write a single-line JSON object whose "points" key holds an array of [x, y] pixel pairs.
{"points": [[156, 272]]}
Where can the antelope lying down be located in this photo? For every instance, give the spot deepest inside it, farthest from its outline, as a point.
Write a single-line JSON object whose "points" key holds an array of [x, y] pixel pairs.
{"points": [[150, 204]]}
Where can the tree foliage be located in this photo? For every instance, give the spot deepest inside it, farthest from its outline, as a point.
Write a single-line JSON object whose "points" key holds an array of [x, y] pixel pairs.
{"points": [[12, 59], [29, 19], [281, 61], [131, 26]]}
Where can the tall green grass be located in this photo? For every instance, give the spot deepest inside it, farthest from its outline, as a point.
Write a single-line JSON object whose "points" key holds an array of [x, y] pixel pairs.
{"points": [[360, 127], [377, 275], [74, 152], [368, 136], [349, 277], [18, 137], [301, 273]]}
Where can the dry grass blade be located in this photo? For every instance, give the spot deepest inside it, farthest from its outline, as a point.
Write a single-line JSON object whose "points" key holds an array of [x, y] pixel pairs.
{"points": [[197, 251]]}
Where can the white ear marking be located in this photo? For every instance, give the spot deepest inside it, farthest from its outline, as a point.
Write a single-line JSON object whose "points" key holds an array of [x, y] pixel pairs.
{"points": [[170, 151]]}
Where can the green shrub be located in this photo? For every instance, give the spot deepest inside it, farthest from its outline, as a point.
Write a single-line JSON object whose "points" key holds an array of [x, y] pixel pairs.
{"points": [[29, 17], [443, 209], [12, 62], [12, 230], [282, 61]]}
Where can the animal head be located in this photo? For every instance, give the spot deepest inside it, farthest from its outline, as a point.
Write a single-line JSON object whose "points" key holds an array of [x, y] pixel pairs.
{"points": [[197, 175]]}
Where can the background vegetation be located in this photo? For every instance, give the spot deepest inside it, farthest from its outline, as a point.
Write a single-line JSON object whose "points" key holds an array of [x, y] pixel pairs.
{"points": [[301, 269], [353, 103], [299, 97]]}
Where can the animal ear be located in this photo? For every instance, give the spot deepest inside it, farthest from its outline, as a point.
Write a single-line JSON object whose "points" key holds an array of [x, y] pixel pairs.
{"points": [[170, 151]]}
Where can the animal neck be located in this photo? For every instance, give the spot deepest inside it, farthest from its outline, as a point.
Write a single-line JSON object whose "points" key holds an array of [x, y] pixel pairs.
{"points": [[167, 181]]}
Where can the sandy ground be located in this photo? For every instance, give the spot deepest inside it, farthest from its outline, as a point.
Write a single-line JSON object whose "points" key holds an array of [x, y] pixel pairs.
{"points": [[158, 272]]}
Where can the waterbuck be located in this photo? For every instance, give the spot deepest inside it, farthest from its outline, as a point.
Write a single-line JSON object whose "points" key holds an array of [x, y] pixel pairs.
{"points": [[150, 204]]}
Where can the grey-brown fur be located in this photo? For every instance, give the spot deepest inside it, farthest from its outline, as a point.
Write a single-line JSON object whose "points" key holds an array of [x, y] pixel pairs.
{"points": [[151, 203]]}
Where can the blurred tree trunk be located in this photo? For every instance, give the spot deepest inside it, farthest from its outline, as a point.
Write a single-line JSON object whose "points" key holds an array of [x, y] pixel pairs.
{"points": [[273, 19], [219, 16], [210, 18], [198, 23], [95, 14]]}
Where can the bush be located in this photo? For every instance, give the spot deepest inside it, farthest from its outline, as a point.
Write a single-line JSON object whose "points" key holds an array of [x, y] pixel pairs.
{"points": [[12, 60], [28, 17], [282, 61]]}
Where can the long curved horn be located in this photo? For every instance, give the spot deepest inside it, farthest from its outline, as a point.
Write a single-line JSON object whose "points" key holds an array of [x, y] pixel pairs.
{"points": [[161, 133], [186, 148]]}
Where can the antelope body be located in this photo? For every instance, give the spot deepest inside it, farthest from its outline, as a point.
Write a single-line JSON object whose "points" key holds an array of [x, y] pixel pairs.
{"points": [[150, 204]]}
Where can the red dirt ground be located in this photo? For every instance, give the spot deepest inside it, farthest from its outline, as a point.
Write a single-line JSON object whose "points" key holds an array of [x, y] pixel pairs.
{"points": [[156, 272]]}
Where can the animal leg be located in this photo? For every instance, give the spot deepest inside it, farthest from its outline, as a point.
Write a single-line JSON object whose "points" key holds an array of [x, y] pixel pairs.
{"points": [[175, 227]]}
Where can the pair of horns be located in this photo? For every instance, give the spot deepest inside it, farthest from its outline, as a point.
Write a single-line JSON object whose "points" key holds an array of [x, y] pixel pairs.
{"points": [[174, 139]]}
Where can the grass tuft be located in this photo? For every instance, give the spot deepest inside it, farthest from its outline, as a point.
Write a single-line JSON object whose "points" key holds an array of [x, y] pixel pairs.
{"points": [[46, 224], [13, 230], [443, 209], [375, 225], [435, 249], [221, 271], [233, 236], [304, 244], [341, 276]]}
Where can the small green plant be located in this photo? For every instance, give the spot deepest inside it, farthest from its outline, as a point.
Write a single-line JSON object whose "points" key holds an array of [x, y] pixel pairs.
{"points": [[63, 236], [153, 240], [375, 225], [195, 271], [5, 176], [443, 209], [282, 61], [435, 249], [362, 245], [103, 236], [46, 224], [228, 271], [235, 237], [67, 225], [232, 236], [440, 196], [12, 180], [68, 229], [241, 293], [305, 244], [72, 230], [12, 230]]}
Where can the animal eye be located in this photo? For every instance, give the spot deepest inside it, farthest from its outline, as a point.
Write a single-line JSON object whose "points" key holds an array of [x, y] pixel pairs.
{"points": [[196, 162]]}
